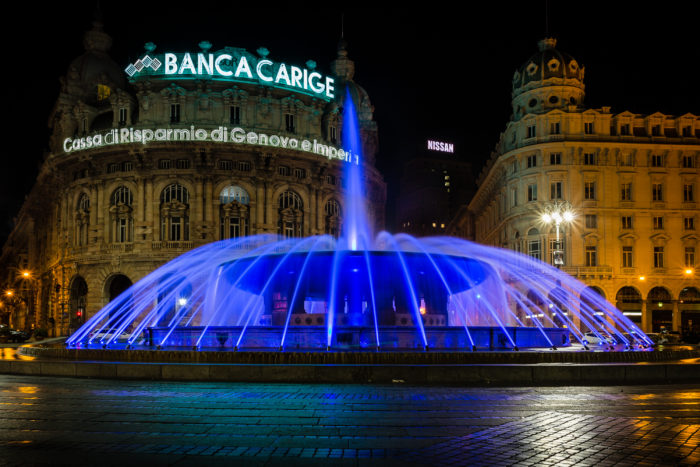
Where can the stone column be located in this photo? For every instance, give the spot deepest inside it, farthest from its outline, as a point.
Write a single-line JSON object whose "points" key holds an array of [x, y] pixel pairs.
{"points": [[676, 317]]}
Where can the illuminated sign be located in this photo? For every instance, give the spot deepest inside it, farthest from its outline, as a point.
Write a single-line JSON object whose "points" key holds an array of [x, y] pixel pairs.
{"points": [[233, 64], [218, 135], [440, 146]]}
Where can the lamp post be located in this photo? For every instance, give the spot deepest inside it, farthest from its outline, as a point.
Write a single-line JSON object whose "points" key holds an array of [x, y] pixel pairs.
{"points": [[558, 215]]}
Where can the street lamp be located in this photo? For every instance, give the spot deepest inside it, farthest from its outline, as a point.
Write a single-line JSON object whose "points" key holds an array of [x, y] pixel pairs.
{"points": [[558, 215]]}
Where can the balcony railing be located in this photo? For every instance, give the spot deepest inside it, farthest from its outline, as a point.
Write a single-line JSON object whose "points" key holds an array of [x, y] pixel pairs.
{"points": [[166, 245], [588, 270]]}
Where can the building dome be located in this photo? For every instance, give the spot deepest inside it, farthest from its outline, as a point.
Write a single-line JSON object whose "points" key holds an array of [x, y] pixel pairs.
{"points": [[548, 79], [94, 68]]}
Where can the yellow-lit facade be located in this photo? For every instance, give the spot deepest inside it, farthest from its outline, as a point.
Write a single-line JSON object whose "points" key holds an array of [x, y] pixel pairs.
{"points": [[631, 181]]}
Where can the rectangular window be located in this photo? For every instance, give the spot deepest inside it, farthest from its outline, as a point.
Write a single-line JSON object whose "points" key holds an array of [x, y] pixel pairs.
{"points": [[299, 173], [627, 160], [688, 162], [111, 168], [591, 221], [555, 128], [289, 123], [656, 130], [658, 256], [532, 192], [122, 116], [555, 158], [283, 170], [174, 113], [657, 192], [333, 133], [627, 257], [531, 131], [626, 192], [626, 222], [127, 166], [225, 164], [690, 256], [164, 164], [658, 222], [531, 161], [533, 249], [244, 166], [234, 116], [688, 195], [589, 190], [330, 179], [514, 196], [687, 131], [182, 163], [625, 129], [175, 229], [657, 160], [555, 190], [589, 158], [689, 223], [588, 128], [122, 230], [591, 256]]}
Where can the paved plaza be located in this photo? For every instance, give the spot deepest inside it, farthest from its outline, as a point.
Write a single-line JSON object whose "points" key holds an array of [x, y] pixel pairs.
{"points": [[69, 421]]}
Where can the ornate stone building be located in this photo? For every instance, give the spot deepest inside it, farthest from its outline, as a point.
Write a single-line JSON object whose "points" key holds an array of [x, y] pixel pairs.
{"points": [[178, 151], [631, 182]]}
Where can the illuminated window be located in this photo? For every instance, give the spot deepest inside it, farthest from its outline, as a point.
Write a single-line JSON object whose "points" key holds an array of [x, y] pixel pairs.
{"points": [[233, 215], [657, 160], [532, 192], [591, 256], [627, 257], [555, 158], [658, 222], [588, 128], [533, 249], [555, 190], [626, 222], [688, 195], [626, 192], [174, 208], [174, 113], [657, 192], [234, 117], [589, 190], [591, 221], [658, 257], [103, 92]]}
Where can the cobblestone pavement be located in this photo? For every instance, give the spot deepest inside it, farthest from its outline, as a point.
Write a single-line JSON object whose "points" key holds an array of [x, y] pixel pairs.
{"points": [[68, 421]]}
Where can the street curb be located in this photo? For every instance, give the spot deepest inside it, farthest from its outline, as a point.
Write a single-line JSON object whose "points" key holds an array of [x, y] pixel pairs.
{"points": [[459, 375]]}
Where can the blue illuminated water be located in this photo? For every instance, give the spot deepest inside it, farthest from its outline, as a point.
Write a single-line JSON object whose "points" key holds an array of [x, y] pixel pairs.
{"points": [[359, 291]]}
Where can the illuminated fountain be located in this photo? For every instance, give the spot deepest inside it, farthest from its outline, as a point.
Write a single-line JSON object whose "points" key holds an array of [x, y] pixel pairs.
{"points": [[389, 292]]}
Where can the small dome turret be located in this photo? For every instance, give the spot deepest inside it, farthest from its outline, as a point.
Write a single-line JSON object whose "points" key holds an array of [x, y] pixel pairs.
{"points": [[549, 79]]}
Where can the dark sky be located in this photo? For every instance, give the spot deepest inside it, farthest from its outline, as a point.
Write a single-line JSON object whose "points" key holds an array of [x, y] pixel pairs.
{"points": [[430, 72]]}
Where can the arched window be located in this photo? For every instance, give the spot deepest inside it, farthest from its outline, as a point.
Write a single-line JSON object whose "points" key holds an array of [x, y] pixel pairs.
{"points": [[175, 213], [82, 220], [234, 212], [291, 215], [333, 220], [121, 214]]}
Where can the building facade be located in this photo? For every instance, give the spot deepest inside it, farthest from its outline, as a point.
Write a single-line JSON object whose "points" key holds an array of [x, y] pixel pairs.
{"points": [[178, 150], [630, 182]]}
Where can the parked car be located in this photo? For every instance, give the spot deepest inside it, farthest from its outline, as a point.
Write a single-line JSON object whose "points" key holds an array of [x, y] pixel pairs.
{"points": [[13, 335], [592, 338]]}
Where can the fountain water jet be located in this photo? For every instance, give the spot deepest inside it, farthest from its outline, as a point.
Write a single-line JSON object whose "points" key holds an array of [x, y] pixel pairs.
{"points": [[322, 293]]}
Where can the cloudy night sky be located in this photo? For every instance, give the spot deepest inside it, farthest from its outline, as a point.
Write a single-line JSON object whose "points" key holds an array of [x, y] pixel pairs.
{"points": [[431, 73]]}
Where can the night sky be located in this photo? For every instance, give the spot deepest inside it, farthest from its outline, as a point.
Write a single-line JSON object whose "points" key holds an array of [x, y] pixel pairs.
{"points": [[431, 73]]}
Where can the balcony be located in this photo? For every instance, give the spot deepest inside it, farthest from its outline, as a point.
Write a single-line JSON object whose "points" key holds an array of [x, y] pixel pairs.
{"points": [[119, 247], [588, 271], [165, 245]]}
